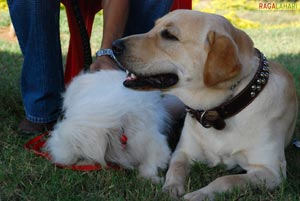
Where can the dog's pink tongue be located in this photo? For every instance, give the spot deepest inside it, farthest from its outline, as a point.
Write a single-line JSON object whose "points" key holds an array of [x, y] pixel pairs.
{"points": [[130, 78]]}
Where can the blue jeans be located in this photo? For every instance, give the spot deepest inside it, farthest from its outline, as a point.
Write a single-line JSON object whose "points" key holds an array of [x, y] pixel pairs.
{"points": [[143, 14], [36, 23]]}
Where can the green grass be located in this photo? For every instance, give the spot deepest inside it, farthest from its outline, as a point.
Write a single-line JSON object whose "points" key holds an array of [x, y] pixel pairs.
{"points": [[24, 176]]}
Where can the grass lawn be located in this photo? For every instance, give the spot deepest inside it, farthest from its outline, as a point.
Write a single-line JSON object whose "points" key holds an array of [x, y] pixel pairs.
{"points": [[24, 176]]}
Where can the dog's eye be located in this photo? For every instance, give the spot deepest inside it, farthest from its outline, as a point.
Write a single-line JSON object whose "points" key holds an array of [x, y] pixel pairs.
{"points": [[167, 35]]}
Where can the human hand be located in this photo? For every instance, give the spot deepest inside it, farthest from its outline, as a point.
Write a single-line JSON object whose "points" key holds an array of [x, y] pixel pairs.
{"points": [[103, 63]]}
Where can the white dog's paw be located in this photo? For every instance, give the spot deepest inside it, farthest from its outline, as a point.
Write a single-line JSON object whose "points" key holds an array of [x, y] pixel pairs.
{"points": [[157, 180], [198, 195], [153, 178], [150, 172], [174, 190]]}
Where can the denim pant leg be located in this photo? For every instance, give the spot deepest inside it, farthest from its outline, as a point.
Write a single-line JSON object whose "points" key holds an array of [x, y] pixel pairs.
{"points": [[143, 14], [36, 23]]}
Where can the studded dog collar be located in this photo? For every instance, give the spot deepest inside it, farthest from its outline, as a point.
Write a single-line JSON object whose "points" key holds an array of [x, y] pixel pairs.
{"points": [[215, 117]]}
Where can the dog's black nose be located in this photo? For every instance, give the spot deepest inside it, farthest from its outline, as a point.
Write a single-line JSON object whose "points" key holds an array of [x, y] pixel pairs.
{"points": [[118, 47]]}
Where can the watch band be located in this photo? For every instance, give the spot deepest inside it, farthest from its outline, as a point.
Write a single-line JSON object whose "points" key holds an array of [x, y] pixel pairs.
{"points": [[110, 53], [104, 52]]}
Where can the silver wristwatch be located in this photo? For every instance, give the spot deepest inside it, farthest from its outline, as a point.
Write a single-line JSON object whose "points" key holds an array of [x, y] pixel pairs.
{"points": [[110, 53], [105, 52]]}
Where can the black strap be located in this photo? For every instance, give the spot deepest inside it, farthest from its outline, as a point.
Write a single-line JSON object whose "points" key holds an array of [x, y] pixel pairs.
{"points": [[86, 47]]}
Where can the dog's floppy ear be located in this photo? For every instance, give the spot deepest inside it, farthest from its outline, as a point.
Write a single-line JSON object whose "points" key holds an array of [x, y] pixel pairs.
{"points": [[222, 61]]}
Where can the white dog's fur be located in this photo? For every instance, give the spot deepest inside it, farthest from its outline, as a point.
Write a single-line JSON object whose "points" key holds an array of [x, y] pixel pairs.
{"points": [[98, 109], [209, 56]]}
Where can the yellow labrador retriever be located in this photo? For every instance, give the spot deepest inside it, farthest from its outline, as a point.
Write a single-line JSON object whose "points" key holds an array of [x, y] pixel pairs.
{"points": [[241, 109]]}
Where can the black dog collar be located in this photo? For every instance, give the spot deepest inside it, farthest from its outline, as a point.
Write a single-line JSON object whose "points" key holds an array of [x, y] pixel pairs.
{"points": [[215, 117]]}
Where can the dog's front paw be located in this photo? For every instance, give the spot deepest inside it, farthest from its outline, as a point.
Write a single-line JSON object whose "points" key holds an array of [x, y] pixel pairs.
{"points": [[174, 190], [151, 174], [154, 179], [198, 195]]}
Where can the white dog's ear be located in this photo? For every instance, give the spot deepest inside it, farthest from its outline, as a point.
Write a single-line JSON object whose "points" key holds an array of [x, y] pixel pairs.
{"points": [[222, 61]]}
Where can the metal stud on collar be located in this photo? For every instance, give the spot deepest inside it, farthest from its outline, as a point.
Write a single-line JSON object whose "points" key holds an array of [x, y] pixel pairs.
{"points": [[261, 80], [201, 120]]}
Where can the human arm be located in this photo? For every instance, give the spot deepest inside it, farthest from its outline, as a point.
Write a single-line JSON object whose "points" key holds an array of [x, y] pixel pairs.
{"points": [[115, 13]]}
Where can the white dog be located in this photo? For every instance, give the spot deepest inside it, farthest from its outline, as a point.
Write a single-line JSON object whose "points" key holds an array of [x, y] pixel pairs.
{"points": [[242, 110], [98, 110]]}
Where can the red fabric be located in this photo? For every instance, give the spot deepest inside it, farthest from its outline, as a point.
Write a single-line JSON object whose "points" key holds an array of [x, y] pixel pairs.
{"points": [[75, 61], [36, 145], [182, 4], [89, 8]]}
